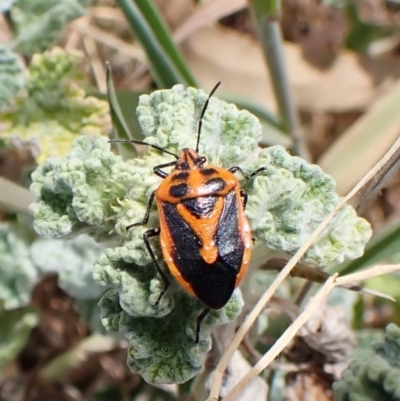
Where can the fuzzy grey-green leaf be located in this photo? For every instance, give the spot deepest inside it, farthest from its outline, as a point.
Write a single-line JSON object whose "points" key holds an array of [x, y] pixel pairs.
{"points": [[11, 75], [290, 199], [93, 191]]}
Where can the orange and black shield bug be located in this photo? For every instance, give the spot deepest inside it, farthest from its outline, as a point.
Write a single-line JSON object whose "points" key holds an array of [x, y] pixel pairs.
{"points": [[204, 234]]}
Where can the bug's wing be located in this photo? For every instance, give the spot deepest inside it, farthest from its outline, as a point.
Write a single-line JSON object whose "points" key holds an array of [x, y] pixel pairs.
{"points": [[214, 283], [229, 239]]}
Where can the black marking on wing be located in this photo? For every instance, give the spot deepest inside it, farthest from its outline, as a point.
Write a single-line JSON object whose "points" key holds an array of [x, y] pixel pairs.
{"points": [[214, 283], [215, 185], [206, 172], [183, 176], [230, 244], [200, 207], [177, 191]]}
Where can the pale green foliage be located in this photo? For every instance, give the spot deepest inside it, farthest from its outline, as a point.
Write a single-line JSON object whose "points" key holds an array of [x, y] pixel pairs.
{"points": [[91, 190], [89, 312], [5, 5], [162, 349], [11, 75], [54, 109], [23, 262], [80, 193], [17, 271], [288, 201], [39, 23], [169, 119], [376, 376], [73, 261]]}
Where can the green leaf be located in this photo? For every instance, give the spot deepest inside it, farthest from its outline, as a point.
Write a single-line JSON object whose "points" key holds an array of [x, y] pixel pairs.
{"points": [[39, 23], [54, 108], [74, 268], [17, 271], [375, 375], [11, 75]]}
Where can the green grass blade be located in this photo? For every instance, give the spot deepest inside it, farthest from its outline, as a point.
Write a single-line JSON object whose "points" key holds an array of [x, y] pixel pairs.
{"points": [[120, 128], [163, 35], [266, 14], [163, 69]]}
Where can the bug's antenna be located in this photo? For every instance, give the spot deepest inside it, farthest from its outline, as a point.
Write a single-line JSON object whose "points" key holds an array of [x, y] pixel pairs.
{"points": [[143, 143], [203, 112]]}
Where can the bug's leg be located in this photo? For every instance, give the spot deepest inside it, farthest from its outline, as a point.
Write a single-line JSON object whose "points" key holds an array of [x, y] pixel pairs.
{"points": [[234, 169], [157, 169], [148, 234], [146, 214], [199, 319], [244, 196]]}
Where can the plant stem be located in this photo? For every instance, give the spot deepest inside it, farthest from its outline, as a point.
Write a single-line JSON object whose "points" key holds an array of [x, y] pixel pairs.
{"points": [[14, 197], [266, 14]]}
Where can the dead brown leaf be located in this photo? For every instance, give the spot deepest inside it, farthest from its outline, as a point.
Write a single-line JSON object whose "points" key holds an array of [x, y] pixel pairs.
{"points": [[206, 14], [222, 54], [303, 386], [351, 83], [317, 27]]}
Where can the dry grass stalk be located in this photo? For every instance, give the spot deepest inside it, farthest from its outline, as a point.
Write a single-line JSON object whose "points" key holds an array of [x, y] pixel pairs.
{"points": [[284, 340]]}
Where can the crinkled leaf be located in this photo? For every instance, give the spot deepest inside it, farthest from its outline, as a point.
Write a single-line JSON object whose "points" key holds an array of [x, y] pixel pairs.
{"points": [[290, 199], [162, 349], [39, 23], [73, 261], [374, 376], [11, 74], [55, 108], [17, 271]]}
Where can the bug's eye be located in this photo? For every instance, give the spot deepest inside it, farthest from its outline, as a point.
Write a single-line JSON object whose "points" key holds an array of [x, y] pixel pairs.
{"points": [[203, 159]]}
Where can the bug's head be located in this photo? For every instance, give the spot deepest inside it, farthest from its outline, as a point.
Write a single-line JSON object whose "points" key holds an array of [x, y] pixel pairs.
{"points": [[189, 159]]}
